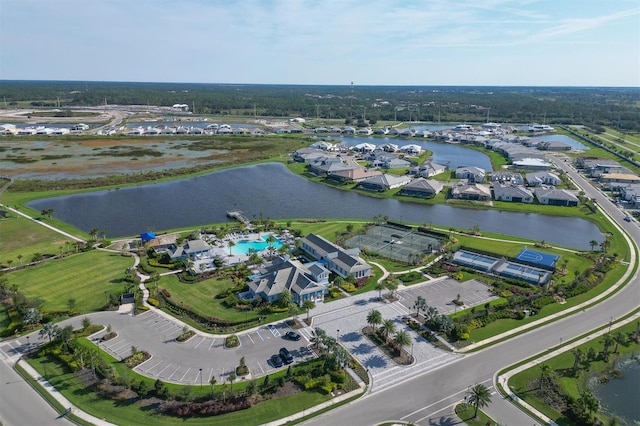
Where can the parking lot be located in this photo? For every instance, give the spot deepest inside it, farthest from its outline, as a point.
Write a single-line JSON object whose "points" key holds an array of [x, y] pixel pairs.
{"points": [[440, 294], [202, 357]]}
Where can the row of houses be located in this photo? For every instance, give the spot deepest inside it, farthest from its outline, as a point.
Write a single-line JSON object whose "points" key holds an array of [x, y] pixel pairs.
{"points": [[614, 177]]}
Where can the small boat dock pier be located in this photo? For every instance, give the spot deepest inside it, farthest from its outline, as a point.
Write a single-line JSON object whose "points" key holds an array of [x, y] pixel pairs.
{"points": [[239, 216]]}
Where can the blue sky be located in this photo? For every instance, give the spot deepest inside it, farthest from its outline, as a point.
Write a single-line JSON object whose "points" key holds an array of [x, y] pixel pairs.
{"points": [[393, 42]]}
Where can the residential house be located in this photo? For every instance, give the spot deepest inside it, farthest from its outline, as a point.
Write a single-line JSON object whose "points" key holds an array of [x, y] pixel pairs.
{"points": [[507, 178], [631, 193], [542, 178], [428, 169], [619, 178], [357, 174], [303, 281], [343, 262], [411, 149], [383, 182], [326, 166], [556, 197], [471, 173], [422, 187], [530, 163], [475, 192], [516, 194]]}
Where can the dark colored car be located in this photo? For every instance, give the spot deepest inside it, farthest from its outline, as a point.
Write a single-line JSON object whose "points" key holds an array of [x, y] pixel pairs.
{"points": [[286, 355], [292, 335], [276, 361]]}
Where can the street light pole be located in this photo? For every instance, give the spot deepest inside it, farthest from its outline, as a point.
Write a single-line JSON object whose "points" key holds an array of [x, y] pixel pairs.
{"points": [[201, 379], [28, 344], [338, 334]]}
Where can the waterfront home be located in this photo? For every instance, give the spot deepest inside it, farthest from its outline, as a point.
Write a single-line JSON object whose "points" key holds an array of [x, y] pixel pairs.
{"points": [[516, 194], [348, 130], [353, 175], [411, 149], [303, 281], [507, 178], [422, 188], [471, 173], [542, 178], [473, 192], [531, 164], [428, 169], [327, 165], [383, 182], [343, 262], [556, 197]]}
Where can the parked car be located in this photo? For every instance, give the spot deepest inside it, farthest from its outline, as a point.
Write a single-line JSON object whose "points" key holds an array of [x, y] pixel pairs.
{"points": [[286, 355], [627, 218], [291, 335], [276, 361]]}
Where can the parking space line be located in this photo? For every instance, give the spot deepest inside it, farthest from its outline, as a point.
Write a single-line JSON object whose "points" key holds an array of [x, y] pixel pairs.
{"points": [[213, 341], [174, 371], [154, 366], [201, 340], [260, 367], [186, 372], [162, 371], [249, 336], [259, 335]]}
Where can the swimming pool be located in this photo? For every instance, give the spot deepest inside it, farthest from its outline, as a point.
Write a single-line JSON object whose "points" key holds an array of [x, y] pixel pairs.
{"points": [[244, 246]]}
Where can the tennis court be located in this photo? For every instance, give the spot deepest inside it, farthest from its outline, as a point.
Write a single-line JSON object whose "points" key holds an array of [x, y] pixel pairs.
{"points": [[523, 272], [474, 260], [405, 245], [538, 258]]}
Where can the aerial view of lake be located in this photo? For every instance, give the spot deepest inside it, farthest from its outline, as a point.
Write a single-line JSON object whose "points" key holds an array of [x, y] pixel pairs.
{"points": [[619, 397], [274, 192], [452, 155]]}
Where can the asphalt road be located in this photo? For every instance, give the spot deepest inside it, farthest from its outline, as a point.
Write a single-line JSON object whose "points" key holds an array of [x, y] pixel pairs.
{"points": [[428, 398], [20, 405]]}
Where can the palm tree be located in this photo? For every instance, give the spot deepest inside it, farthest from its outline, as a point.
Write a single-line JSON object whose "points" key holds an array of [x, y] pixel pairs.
{"points": [[19, 259], [545, 373], [94, 233], [388, 328], [402, 339], [49, 330], [589, 403], [578, 359], [308, 305], [319, 336], [593, 244], [232, 377], [419, 305], [230, 244], [618, 338], [607, 340], [392, 286], [374, 318], [270, 240], [379, 287], [479, 397]]}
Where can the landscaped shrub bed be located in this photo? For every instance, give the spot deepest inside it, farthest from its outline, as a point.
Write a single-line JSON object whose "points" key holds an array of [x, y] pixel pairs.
{"points": [[186, 335]]}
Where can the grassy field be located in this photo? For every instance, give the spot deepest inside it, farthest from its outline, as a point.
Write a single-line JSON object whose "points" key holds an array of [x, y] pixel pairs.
{"points": [[84, 277], [23, 237]]}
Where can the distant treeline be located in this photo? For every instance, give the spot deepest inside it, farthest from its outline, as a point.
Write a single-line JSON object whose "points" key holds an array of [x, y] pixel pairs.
{"points": [[593, 106]]}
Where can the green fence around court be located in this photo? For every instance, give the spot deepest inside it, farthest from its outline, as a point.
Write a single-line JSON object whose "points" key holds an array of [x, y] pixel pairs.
{"points": [[396, 243]]}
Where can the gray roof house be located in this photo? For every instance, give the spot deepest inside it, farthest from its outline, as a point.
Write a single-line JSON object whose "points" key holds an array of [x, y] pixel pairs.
{"points": [[473, 192], [422, 187], [383, 182], [343, 262], [631, 193], [304, 282], [471, 173], [516, 194], [428, 169], [328, 165], [556, 197], [542, 178], [512, 178]]}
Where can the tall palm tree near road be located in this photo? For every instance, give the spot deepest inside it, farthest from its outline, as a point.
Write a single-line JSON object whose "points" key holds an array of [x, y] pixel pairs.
{"points": [[379, 287], [212, 382], [479, 397], [545, 374], [374, 318], [388, 328], [307, 305], [419, 305], [402, 339]]}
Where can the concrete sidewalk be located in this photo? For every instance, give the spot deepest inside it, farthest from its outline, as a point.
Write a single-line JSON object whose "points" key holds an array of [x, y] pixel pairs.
{"points": [[48, 387]]}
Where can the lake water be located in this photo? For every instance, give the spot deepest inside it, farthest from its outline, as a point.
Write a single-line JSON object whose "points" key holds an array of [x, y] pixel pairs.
{"points": [[452, 155], [272, 191], [619, 397]]}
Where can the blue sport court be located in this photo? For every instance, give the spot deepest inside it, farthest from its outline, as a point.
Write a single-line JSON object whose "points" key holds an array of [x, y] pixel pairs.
{"points": [[538, 258]]}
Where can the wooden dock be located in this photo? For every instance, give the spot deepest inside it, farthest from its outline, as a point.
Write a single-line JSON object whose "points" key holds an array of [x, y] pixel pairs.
{"points": [[239, 216]]}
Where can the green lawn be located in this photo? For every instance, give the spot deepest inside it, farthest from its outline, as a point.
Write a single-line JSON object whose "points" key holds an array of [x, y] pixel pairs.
{"points": [[84, 277], [23, 237]]}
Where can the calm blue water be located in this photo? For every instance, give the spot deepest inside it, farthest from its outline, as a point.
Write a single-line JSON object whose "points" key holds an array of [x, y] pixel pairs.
{"points": [[243, 246], [619, 397], [452, 155], [273, 192]]}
